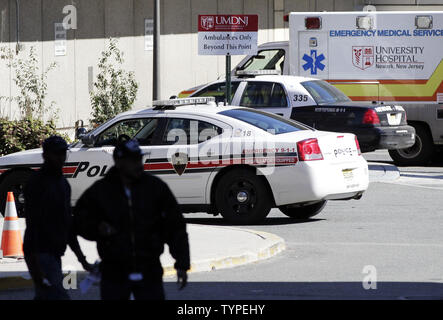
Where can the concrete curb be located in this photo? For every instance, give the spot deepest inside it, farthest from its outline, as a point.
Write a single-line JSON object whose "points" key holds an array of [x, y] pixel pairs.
{"points": [[380, 172], [272, 246]]}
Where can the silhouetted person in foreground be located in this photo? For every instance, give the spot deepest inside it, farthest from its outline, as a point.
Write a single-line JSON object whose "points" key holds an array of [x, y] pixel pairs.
{"points": [[132, 215], [49, 223]]}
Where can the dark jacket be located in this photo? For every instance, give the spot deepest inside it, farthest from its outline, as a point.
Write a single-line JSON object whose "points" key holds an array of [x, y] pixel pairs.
{"points": [[142, 229], [49, 221]]}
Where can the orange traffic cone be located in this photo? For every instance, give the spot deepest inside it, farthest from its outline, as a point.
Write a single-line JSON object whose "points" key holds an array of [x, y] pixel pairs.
{"points": [[12, 244]]}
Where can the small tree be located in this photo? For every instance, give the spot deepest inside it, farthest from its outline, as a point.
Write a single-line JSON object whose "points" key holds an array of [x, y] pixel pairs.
{"points": [[115, 89], [31, 128], [31, 84]]}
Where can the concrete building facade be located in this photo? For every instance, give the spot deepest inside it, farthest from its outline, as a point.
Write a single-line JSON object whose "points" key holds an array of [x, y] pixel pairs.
{"points": [[34, 25]]}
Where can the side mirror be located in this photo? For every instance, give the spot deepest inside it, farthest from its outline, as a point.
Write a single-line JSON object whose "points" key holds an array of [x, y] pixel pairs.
{"points": [[80, 133], [88, 140]]}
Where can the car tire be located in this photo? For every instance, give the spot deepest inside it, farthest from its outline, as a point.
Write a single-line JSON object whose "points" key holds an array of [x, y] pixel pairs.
{"points": [[242, 197], [420, 153], [303, 212], [15, 182]]}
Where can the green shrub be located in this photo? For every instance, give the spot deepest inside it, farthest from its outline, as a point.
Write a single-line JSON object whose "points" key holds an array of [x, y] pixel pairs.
{"points": [[31, 129], [115, 89], [31, 84], [19, 135]]}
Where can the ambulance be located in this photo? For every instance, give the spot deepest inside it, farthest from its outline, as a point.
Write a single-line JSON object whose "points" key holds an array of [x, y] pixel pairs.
{"points": [[392, 58]]}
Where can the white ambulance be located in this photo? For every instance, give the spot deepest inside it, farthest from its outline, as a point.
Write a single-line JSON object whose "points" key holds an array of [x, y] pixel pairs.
{"points": [[392, 58]]}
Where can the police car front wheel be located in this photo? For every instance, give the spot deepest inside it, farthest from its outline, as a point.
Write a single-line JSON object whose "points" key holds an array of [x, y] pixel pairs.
{"points": [[303, 212], [242, 197], [14, 182]]}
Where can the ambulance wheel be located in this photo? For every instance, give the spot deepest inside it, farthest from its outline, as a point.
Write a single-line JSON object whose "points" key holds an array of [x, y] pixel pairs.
{"points": [[303, 212], [15, 182], [242, 197], [420, 153]]}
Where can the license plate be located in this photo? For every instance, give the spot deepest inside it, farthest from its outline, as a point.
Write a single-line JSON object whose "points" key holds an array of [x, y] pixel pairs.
{"points": [[348, 174], [394, 119]]}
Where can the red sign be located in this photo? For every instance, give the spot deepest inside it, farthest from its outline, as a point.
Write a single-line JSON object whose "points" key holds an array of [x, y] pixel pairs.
{"points": [[362, 57], [232, 23]]}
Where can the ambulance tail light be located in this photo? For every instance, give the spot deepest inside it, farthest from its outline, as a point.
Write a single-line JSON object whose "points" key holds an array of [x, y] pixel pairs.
{"points": [[423, 22], [365, 23], [286, 18], [371, 117], [313, 23], [358, 146], [309, 150]]}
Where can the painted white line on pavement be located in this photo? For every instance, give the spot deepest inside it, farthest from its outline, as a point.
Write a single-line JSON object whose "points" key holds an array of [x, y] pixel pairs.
{"points": [[387, 244], [412, 185]]}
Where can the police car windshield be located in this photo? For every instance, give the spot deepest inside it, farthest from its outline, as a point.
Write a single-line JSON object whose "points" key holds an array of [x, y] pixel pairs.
{"points": [[268, 122], [324, 93]]}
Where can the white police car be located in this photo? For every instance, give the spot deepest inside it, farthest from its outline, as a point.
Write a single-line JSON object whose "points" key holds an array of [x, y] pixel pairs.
{"points": [[318, 104], [235, 161]]}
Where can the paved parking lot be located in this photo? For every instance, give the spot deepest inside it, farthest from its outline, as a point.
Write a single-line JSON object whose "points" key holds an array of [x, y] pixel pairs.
{"points": [[394, 230]]}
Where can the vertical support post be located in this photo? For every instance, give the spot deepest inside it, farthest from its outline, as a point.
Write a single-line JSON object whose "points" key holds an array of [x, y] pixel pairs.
{"points": [[228, 79], [156, 53], [17, 26]]}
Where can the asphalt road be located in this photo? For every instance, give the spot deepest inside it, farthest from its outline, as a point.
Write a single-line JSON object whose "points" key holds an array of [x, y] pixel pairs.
{"points": [[394, 231]]}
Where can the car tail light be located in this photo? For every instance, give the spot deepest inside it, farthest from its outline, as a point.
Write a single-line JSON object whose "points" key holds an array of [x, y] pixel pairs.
{"points": [[358, 146], [313, 23], [309, 150], [371, 117]]}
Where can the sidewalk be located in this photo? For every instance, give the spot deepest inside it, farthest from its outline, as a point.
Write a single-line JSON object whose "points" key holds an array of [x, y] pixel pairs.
{"points": [[212, 247], [381, 172]]}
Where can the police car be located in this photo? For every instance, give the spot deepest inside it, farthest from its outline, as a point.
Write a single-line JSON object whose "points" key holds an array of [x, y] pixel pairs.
{"points": [[235, 161], [318, 104]]}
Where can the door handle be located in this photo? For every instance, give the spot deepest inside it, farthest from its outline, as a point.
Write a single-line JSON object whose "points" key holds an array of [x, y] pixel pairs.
{"points": [[108, 150]]}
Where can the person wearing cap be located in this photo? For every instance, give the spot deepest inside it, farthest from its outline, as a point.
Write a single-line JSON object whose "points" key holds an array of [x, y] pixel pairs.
{"points": [[49, 223], [131, 215]]}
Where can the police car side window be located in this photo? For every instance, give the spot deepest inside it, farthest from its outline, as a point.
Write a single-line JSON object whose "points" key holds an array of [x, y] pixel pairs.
{"points": [[278, 96], [264, 95], [207, 131], [176, 132], [145, 136], [185, 131], [142, 129]]}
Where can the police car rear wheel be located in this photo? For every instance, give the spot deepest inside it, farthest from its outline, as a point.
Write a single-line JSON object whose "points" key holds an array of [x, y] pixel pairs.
{"points": [[420, 153], [15, 182], [242, 197], [303, 212]]}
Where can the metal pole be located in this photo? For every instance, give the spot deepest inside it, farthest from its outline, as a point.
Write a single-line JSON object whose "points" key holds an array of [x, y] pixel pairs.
{"points": [[17, 23], [228, 78], [156, 53]]}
